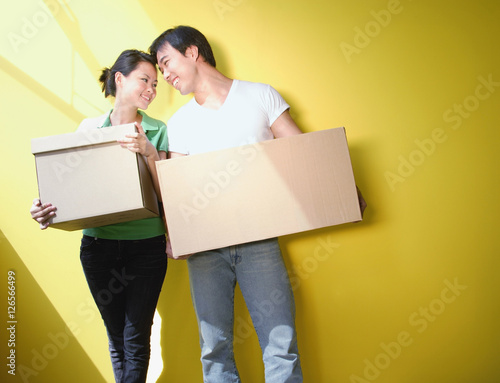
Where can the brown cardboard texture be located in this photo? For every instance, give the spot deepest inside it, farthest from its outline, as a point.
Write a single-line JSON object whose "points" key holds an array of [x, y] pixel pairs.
{"points": [[258, 191], [92, 180]]}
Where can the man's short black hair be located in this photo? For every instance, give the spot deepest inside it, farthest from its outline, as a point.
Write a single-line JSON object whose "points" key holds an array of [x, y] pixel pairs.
{"points": [[181, 38]]}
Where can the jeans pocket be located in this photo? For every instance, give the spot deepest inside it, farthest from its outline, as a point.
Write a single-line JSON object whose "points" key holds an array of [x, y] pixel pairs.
{"points": [[87, 243], [148, 257]]}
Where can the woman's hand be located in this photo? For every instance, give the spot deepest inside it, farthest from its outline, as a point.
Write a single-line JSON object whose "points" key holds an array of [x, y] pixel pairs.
{"points": [[139, 143], [42, 213]]}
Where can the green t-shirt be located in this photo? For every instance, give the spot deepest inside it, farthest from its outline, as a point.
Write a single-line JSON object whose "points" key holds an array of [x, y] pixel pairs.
{"points": [[156, 131]]}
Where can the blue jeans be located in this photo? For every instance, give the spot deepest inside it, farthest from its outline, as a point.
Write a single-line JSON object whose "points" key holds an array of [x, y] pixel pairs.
{"points": [[125, 278], [259, 270]]}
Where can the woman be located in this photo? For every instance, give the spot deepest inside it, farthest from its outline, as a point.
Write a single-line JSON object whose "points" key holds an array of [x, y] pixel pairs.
{"points": [[125, 264]]}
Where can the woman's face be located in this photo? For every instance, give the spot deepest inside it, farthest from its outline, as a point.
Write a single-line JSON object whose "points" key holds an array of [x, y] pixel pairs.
{"points": [[138, 89]]}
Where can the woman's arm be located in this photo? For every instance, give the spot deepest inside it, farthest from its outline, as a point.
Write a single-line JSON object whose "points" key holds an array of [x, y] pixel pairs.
{"points": [[42, 213]]}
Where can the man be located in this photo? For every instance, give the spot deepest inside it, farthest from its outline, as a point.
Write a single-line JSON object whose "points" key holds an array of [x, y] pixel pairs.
{"points": [[227, 113]]}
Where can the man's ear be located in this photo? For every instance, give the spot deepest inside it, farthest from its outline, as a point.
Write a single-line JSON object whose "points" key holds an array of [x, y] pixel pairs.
{"points": [[192, 52]]}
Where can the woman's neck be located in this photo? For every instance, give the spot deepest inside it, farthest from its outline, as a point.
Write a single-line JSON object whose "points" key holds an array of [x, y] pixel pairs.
{"points": [[121, 115]]}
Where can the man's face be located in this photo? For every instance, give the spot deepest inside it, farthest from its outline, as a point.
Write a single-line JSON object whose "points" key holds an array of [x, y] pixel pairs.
{"points": [[177, 69]]}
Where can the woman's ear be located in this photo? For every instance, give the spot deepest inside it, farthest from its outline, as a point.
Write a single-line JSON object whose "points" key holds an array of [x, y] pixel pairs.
{"points": [[118, 78]]}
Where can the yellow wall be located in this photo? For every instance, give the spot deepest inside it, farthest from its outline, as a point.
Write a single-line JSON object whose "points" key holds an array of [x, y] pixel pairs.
{"points": [[408, 296]]}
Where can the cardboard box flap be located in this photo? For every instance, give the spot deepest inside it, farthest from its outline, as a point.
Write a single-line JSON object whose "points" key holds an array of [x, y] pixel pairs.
{"points": [[148, 192], [79, 139]]}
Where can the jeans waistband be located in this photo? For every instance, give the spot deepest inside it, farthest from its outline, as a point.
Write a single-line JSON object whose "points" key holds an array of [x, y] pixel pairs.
{"points": [[151, 239]]}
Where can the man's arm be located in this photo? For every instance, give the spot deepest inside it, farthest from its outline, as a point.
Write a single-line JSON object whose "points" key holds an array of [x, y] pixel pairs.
{"points": [[285, 126], [175, 154]]}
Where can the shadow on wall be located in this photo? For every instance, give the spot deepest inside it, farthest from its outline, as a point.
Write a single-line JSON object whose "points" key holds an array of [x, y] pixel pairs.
{"points": [[38, 345], [179, 331]]}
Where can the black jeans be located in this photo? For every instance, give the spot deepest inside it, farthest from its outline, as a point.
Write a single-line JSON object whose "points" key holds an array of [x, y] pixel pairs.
{"points": [[125, 278]]}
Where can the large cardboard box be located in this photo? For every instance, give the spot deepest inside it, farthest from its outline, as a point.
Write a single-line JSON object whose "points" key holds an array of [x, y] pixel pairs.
{"points": [[92, 180], [258, 191]]}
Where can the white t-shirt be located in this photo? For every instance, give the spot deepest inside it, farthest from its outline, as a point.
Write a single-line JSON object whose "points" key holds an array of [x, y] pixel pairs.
{"points": [[245, 118]]}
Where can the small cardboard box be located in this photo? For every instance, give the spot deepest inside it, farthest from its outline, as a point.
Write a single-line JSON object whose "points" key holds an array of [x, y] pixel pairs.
{"points": [[258, 191], [92, 180]]}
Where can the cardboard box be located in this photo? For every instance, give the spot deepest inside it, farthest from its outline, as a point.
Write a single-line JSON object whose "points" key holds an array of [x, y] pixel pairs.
{"points": [[92, 180], [258, 191]]}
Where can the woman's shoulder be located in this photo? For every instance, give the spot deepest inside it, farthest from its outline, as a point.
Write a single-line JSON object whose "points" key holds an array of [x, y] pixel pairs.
{"points": [[93, 122], [152, 122]]}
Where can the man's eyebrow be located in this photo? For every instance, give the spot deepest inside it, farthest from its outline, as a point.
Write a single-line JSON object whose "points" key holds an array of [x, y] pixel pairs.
{"points": [[162, 58]]}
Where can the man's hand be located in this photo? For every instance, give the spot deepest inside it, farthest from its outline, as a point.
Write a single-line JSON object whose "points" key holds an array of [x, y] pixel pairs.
{"points": [[362, 202], [171, 255]]}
